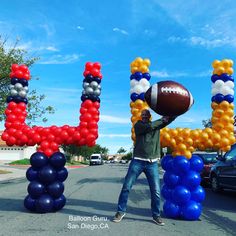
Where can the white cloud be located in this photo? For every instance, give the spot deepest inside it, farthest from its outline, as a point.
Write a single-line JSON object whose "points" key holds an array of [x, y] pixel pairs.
{"points": [[160, 74], [52, 49], [204, 42], [48, 28], [61, 59], [115, 135], [114, 119], [80, 27], [120, 31]]}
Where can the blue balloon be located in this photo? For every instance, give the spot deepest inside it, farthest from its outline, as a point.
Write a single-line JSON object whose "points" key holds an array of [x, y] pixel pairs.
{"points": [[31, 174], [171, 209], [38, 160], [170, 179], [47, 174], [191, 211], [198, 194], [219, 97], [224, 77], [30, 203], [10, 99], [132, 76], [141, 96], [166, 192], [181, 195], [214, 78], [229, 98], [44, 204], [147, 76], [35, 189], [138, 75], [196, 163], [14, 81], [62, 174], [181, 165], [59, 203], [167, 163], [55, 189], [191, 180], [134, 97], [57, 160]]}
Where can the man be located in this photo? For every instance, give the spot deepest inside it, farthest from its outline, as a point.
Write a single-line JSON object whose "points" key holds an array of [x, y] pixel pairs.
{"points": [[145, 155]]}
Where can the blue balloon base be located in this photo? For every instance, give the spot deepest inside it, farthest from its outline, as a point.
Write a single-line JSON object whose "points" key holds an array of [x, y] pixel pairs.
{"points": [[46, 176], [181, 190]]}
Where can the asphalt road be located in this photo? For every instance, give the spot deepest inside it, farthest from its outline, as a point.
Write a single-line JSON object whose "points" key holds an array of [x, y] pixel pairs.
{"points": [[92, 194]]}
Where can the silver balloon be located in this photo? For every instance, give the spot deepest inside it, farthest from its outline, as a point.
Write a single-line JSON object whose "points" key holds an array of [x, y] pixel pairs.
{"points": [[13, 92], [18, 86], [85, 85], [94, 85], [22, 93], [99, 86], [89, 90], [26, 89], [83, 92], [97, 92], [11, 86]]}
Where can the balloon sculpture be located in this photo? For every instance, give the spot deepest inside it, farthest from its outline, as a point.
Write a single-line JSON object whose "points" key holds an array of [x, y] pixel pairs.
{"points": [[181, 190], [47, 172]]}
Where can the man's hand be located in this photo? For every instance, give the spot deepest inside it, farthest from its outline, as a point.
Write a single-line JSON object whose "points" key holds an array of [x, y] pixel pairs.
{"points": [[168, 119]]}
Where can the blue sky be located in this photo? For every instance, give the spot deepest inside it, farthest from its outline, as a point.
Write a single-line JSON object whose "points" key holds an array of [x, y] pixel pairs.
{"points": [[181, 38]]}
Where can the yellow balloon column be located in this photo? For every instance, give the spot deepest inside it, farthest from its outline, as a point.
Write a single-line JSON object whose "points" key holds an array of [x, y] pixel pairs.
{"points": [[181, 189], [139, 83]]}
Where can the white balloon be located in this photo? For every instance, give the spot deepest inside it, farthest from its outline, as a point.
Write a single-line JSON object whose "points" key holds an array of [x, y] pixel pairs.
{"points": [[18, 86], [144, 82], [133, 82], [11, 86], [230, 84], [219, 83], [13, 92], [231, 92], [214, 91], [131, 90], [146, 88], [225, 90], [22, 93], [138, 89]]}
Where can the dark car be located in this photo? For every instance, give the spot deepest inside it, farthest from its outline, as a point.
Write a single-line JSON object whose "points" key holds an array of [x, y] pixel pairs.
{"points": [[209, 159], [223, 173]]}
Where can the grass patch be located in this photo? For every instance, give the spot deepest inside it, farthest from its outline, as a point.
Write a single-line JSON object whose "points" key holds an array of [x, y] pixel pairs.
{"points": [[21, 162], [72, 163], [5, 172]]}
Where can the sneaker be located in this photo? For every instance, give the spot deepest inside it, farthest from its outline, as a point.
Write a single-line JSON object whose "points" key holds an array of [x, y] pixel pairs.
{"points": [[118, 217], [158, 220]]}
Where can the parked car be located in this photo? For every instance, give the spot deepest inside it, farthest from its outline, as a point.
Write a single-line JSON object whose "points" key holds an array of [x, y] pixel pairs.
{"points": [[123, 161], [223, 173], [96, 159], [209, 159]]}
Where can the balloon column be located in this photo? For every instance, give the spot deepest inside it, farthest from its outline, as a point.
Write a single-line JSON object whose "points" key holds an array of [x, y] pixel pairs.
{"points": [[139, 82], [182, 190], [47, 172]]}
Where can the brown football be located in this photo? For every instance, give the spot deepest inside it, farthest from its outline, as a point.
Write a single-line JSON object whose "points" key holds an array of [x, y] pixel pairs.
{"points": [[168, 98]]}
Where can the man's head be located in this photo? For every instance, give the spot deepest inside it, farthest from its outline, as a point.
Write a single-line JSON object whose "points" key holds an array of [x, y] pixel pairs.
{"points": [[146, 115]]}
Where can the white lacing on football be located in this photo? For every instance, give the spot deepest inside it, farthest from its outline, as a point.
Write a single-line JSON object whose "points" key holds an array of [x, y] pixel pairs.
{"points": [[174, 90]]}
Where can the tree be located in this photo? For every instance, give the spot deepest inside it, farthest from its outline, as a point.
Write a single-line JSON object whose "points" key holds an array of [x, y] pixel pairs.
{"points": [[15, 55], [73, 150], [121, 150], [127, 156]]}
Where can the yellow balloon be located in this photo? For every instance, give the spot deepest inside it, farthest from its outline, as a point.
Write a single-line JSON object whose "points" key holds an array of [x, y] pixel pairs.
{"points": [[218, 126], [144, 69], [194, 134], [215, 137], [229, 127], [225, 119], [231, 105], [230, 62], [224, 105], [134, 69], [226, 148], [229, 70], [173, 132], [214, 105], [218, 112], [181, 147], [229, 112], [224, 142], [147, 62], [187, 154], [225, 63], [139, 103], [189, 141], [215, 63], [220, 70]]}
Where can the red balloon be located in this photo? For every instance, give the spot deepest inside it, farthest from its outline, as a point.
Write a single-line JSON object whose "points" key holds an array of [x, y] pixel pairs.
{"points": [[100, 75], [14, 67], [76, 136], [5, 136], [45, 131], [87, 104], [11, 118], [8, 125], [94, 132], [92, 124], [96, 105], [57, 131], [96, 118], [54, 146], [71, 131], [93, 111], [44, 144], [30, 142], [26, 76], [84, 132], [86, 72], [86, 117], [90, 138], [11, 131], [97, 65], [82, 142], [64, 135], [12, 105], [11, 141], [48, 152], [95, 72], [22, 106], [83, 110], [17, 125], [24, 68], [8, 112], [24, 139], [18, 134], [83, 124], [89, 66], [12, 75], [21, 118], [50, 137], [19, 74], [36, 138]]}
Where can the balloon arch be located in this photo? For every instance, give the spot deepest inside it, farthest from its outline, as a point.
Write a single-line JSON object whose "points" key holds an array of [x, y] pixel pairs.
{"points": [[47, 172], [181, 190]]}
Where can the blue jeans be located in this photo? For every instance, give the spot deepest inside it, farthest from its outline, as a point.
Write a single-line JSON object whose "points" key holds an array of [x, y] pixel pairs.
{"points": [[136, 167]]}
